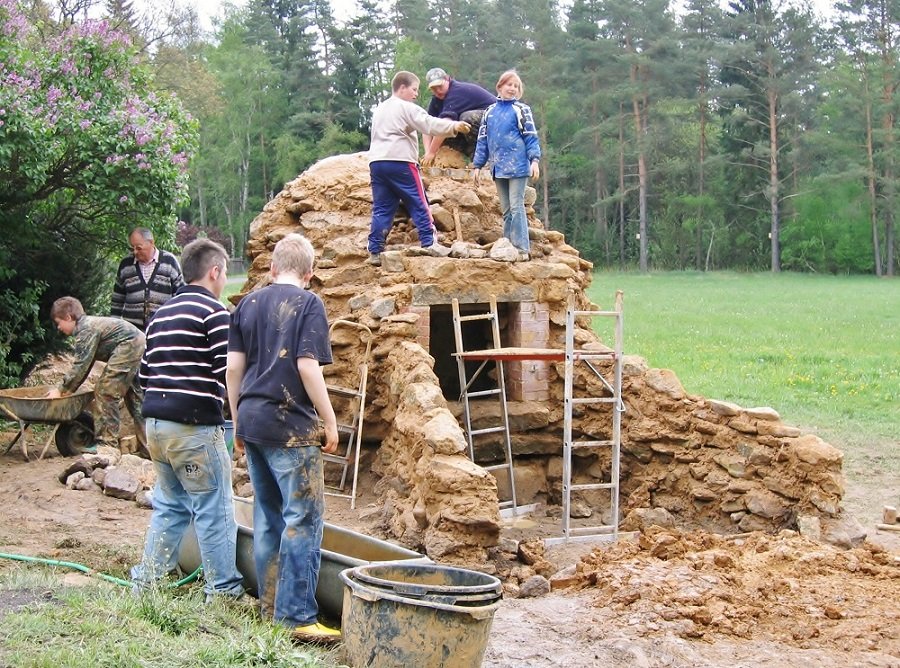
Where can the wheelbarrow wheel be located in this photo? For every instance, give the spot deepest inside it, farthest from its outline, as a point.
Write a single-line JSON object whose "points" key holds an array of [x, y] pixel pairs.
{"points": [[74, 436]]}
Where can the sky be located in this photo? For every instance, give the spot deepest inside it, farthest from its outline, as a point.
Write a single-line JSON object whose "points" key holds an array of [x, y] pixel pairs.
{"points": [[208, 9]]}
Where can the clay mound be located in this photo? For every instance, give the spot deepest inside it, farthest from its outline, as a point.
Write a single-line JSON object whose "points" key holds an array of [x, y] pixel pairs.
{"points": [[705, 463], [784, 587]]}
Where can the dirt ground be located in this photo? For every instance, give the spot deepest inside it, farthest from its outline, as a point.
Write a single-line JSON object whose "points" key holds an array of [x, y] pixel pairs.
{"points": [[669, 599]]}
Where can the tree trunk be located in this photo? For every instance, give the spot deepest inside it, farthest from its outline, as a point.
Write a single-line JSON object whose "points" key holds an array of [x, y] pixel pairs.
{"points": [[772, 96], [871, 179], [642, 178], [621, 186], [701, 176]]}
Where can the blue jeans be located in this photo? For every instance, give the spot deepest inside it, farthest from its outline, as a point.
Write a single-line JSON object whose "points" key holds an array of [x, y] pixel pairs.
{"points": [[511, 193], [193, 482], [287, 529], [393, 182]]}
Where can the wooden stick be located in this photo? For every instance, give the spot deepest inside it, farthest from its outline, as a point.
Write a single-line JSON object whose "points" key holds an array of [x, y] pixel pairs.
{"points": [[458, 222], [888, 527]]}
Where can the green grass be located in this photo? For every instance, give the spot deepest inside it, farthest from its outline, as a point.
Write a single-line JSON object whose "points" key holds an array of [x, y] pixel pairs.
{"points": [[233, 286], [822, 350], [101, 625]]}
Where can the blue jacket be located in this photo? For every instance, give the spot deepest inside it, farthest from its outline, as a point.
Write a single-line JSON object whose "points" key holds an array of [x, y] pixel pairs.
{"points": [[461, 97], [507, 140]]}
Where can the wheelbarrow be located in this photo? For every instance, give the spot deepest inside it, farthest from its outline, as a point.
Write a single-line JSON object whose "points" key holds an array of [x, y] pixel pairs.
{"points": [[73, 427]]}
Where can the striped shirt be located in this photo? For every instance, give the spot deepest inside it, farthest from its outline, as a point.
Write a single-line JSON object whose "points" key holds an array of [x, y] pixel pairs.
{"points": [[183, 369]]}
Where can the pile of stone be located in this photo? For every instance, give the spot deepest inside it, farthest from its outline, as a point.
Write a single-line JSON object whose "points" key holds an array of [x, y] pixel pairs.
{"points": [[109, 472]]}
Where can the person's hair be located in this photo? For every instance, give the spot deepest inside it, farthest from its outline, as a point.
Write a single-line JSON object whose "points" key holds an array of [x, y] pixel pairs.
{"points": [[199, 256], [403, 78], [293, 255], [146, 233], [66, 307], [507, 76]]}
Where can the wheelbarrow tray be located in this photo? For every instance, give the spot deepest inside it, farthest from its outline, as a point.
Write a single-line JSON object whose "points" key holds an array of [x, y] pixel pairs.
{"points": [[31, 404]]}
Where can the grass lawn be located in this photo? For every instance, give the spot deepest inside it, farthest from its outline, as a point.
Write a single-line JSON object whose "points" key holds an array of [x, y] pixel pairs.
{"points": [[824, 351]]}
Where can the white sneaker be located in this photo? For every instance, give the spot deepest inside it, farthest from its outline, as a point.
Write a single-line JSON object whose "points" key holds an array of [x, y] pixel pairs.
{"points": [[438, 249]]}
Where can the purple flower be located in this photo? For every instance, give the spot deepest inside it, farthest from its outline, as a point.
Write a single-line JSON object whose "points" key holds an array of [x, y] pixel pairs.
{"points": [[123, 199]]}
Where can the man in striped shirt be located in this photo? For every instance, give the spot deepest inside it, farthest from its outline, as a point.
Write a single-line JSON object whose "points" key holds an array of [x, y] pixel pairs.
{"points": [[183, 376]]}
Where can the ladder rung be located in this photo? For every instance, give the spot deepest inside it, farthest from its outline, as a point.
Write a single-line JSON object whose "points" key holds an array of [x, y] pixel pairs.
{"points": [[342, 391], [495, 467], [586, 356], [484, 393], [603, 313], [593, 400], [486, 430], [477, 316], [337, 459], [593, 485], [598, 530], [590, 444]]}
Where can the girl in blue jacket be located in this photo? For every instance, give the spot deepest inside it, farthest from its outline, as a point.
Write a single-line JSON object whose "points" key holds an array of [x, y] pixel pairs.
{"points": [[508, 141]]}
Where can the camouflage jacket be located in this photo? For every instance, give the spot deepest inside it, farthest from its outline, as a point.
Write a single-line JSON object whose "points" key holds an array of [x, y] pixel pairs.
{"points": [[96, 338]]}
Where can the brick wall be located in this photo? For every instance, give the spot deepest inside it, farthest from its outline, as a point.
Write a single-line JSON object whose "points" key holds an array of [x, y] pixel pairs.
{"points": [[423, 324], [528, 326]]}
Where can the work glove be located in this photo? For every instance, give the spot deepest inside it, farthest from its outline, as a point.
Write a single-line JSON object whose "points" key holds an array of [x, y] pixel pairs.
{"points": [[462, 128]]}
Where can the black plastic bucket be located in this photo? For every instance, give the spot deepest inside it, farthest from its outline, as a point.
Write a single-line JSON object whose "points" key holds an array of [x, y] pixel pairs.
{"points": [[444, 584], [410, 621]]}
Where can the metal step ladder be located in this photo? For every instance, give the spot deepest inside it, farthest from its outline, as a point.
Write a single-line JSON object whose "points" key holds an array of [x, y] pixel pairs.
{"points": [[610, 377], [466, 394], [349, 406]]}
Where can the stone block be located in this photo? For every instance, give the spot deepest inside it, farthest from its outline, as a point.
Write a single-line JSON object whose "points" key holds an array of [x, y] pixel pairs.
{"points": [[814, 451], [531, 480], [765, 504], [120, 484], [87, 485], [724, 408], [764, 413], [382, 308], [536, 585]]}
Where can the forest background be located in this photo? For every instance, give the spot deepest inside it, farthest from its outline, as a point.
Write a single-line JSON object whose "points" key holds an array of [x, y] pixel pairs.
{"points": [[753, 135]]}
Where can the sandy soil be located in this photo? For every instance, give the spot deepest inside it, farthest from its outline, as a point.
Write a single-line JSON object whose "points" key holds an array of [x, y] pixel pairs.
{"points": [[668, 599]]}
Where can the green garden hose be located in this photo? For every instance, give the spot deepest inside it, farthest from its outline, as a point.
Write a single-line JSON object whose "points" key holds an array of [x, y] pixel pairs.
{"points": [[84, 569]]}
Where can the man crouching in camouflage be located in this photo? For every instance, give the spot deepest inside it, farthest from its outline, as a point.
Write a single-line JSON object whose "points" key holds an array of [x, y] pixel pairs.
{"points": [[116, 342]]}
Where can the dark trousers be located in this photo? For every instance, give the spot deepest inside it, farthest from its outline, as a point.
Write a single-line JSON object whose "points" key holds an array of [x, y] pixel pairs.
{"points": [[393, 182]]}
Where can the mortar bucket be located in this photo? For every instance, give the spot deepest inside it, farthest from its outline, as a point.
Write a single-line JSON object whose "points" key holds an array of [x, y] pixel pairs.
{"points": [[412, 621], [442, 584]]}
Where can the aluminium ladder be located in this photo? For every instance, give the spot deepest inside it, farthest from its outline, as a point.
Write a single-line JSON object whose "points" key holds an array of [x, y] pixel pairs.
{"points": [[611, 383], [349, 404], [466, 382]]}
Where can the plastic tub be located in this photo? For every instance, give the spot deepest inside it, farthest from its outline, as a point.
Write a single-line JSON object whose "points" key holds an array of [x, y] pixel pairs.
{"points": [[341, 549]]}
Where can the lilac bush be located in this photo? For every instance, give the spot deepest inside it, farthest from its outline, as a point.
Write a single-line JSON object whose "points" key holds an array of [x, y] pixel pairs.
{"points": [[80, 126], [88, 151]]}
